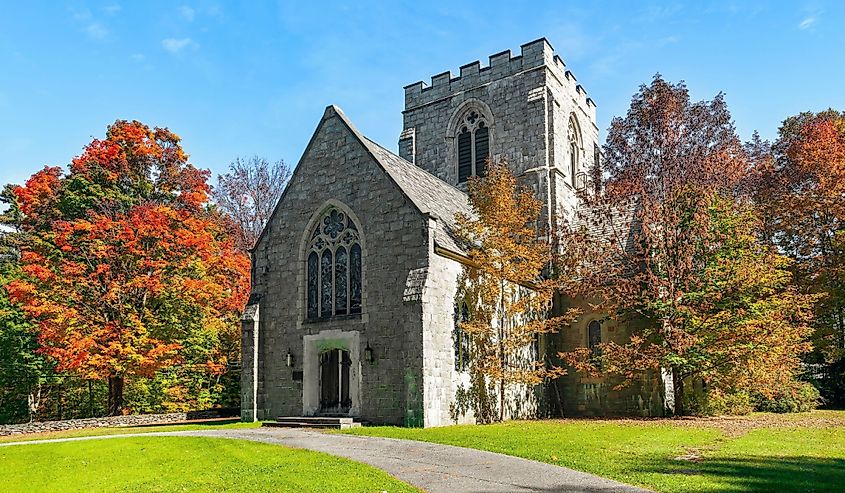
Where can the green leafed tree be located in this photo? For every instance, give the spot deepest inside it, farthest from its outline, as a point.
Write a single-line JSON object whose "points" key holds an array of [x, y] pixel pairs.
{"points": [[674, 244]]}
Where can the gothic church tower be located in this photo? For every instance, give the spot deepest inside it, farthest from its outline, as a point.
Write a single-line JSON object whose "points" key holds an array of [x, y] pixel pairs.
{"points": [[528, 109]]}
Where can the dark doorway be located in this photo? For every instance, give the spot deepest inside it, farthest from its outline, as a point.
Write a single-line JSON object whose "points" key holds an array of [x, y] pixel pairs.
{"points": [[334, 382]]}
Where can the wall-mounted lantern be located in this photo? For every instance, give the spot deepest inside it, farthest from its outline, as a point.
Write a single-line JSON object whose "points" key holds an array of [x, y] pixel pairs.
{"points": [[289, 359], [368, 354]]}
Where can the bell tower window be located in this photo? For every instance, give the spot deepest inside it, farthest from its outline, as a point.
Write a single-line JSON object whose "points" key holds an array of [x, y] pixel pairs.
{"points": [[473, 140]]}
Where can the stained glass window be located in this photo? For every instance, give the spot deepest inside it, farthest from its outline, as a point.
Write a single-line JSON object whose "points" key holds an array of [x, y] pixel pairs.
{"points": [[326, 284], [355, 278], [313, 273], [334, 267], [340, 270]]}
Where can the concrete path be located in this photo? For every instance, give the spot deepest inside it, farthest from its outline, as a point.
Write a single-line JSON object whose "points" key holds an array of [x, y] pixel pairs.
{"points": [[432, 467]]}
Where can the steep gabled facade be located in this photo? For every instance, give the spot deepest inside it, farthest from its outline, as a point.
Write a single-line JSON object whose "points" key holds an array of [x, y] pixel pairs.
{"points": [[349, 292]]}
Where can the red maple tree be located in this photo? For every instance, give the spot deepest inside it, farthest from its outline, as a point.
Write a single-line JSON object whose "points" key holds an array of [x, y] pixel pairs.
{"points": [[127, 269]]}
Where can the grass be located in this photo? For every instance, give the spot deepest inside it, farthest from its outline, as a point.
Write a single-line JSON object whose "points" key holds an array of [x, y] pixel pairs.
{"points": [[123, 430], [761, 453], [184, 464]]}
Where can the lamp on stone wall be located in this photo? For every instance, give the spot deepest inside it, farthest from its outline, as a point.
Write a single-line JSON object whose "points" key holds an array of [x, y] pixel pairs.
{"points": [[368, 354], [289, 359]]}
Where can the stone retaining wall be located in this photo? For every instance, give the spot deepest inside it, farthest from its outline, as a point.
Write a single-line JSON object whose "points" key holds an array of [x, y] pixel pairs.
{"points": [[110, 421]]}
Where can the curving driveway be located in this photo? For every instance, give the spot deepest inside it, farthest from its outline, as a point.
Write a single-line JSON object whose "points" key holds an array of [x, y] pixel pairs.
{"points": [[432, 467]]}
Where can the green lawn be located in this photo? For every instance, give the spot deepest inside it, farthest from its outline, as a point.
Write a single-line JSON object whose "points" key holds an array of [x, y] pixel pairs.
{"points": [[763, 453], [123, 430], [184, 464]]}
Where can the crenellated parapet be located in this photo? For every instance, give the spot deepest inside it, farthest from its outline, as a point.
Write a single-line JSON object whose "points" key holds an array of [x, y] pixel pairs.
{"points": [[533, 56]]}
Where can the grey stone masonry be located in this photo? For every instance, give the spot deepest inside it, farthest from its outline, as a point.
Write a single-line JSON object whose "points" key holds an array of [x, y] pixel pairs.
{"points": [[528, 102], [400, 213]]}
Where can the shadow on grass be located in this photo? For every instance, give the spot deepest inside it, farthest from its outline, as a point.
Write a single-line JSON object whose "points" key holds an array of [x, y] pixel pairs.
{"points": [[766, 474]]}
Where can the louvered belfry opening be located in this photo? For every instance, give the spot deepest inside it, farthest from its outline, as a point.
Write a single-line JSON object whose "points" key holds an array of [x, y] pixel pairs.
{"points": [[482, 148], [473, 146], [464, 155]]}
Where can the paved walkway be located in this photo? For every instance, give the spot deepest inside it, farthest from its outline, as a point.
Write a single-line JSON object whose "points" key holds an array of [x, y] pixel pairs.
{"points": [[432, 467]]}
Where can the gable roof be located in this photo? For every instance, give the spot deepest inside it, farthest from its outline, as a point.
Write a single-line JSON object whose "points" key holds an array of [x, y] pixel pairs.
{"points": [[429, 194]]}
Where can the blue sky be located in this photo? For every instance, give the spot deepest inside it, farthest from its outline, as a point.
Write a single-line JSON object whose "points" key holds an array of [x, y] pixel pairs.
{"points": [[254, 77]]}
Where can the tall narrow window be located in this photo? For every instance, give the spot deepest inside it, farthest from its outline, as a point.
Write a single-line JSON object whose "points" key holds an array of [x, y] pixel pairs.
{"points": [[473, 144], [460, 338], [594, 337], [334, 267], [341, 305], [482, 148], [464, 155], [355, 278], [574, 150], [313, 275]]}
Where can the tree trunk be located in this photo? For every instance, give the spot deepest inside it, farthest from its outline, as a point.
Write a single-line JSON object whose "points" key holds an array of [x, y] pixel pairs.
{"points": [[501, 400], [678, 382], [501, 344], [115, 395]]}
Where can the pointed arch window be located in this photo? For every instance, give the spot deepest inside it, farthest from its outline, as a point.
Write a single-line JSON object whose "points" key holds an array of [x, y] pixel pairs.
{"points": [[574, 134], [333, 267], [473, 140], [594, 337]]}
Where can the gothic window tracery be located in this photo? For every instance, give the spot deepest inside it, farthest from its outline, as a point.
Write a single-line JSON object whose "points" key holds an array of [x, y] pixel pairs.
{"points": [[473, 140], [333, 267]]}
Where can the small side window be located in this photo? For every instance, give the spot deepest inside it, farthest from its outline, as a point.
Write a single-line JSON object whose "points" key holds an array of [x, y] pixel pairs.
{"points": [[594, 337]]}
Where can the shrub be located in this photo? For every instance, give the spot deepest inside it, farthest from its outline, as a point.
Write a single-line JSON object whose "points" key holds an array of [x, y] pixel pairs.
{"points": [[716, 402], [795, 397]]}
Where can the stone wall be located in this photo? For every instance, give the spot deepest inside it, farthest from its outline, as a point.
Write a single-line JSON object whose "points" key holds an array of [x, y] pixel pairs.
{"points": [[111, 421], [441, 378], [336, 170], [528, 99], [577, 394]]}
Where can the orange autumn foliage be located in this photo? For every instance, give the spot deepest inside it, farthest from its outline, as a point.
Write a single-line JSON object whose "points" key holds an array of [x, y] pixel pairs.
{"points": [[126, 268]]}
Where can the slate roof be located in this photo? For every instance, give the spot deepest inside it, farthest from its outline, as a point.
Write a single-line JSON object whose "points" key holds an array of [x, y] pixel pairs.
{"points": [[429, 194]]}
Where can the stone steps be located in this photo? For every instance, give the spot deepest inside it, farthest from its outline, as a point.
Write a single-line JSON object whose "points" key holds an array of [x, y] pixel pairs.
{"points": [[325, 422]]}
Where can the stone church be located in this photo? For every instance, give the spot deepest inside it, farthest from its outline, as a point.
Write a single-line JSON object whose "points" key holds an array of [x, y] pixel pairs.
{"points": [[354, 278]]}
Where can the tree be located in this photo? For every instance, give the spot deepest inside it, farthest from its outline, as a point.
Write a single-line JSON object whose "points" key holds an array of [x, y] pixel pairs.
{"points": [[248, 193], [23, 372], [801, 201], [505, 286], [125, 269], [673, 244]]}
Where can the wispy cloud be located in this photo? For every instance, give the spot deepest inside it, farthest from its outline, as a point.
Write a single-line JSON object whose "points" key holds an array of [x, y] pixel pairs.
{"points": [[176, 46], [93, 28], [187, 13], [807, 22], [112, 9], [97, 30]]}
